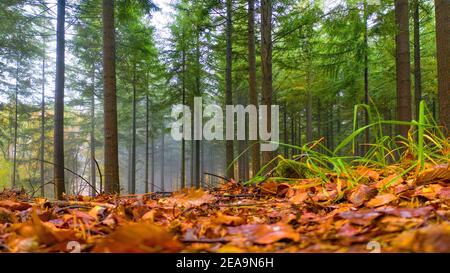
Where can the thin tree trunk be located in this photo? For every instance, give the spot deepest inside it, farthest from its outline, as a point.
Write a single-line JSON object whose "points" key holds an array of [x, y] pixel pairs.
{"points": [[292, 133], [253, 95], [228, 83], [16, 101], [417, 69], [147, 119], [42, 148], [162, 160], [285, 130], [183, 141], [403, 65], [366, 74], [153, 164], [266, 64], [58, 175], [92, 136], [133, 139], [198, 93], [309, 103], [442, 10], [112, 184]]}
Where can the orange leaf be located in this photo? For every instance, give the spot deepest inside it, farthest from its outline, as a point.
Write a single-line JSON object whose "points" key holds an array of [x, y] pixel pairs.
{"points": [[138, 237], [381, 199], [14, 205]]}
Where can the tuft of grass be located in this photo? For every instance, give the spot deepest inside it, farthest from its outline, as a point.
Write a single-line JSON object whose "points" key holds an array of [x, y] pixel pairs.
{"points": [[425, 143]]}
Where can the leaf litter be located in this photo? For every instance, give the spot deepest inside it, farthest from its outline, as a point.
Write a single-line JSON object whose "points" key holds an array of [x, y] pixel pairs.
{"points": [[408, 213]]}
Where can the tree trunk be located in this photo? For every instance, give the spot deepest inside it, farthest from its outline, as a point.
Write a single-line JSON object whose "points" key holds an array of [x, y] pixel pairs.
{"points": [[253, 95], [266, 64], [42, 138], [198, 93], [16, 101], [403, 66], [112, 184], [147, 111], [442, 9], [152, 188], [183, 141], [92, 136], [309, 103], [59, 104], [366, 75], [417, 69], [133, 139], [285, 131], [228, 83], [162, 160]]}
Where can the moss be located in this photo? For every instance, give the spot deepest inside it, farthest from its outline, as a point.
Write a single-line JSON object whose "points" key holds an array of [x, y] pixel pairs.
{"points": [[291, 169]]}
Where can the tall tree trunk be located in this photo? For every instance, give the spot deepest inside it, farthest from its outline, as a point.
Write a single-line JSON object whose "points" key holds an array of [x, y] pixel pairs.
{"points": [[92, 136], [42, 138], [300, 129], [442, 9], [253, 95], [152, 188], [228, 83], [366, 74], [285, 130], [292, 133], [309, 105], [183, 141], [403, 65], [198, 93], [417, 69], [266, 64], [58, 157], [112, 184], [16, 101], [147, 121], [133, 137], [162, 160]]}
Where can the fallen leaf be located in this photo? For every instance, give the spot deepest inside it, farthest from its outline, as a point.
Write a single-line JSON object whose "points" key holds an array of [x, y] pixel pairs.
{"points": [[361, 194], [14, 205], [228, 219], [389, 181], [138, 237], [367, 172], [438, 172], [380, 200]]}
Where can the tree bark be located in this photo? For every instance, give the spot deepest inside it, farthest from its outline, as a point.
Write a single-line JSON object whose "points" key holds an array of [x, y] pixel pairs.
{"points": [[403, 66], [162, 160], [16, 102], [366, 75], [253, 93], [147, 121], [183, 141], [442, 10], [58, 170], [266, 63], [417, 68], [92, 136], [42, 148], [133, 139], [152, 188], [112, 184], [229, 155]]}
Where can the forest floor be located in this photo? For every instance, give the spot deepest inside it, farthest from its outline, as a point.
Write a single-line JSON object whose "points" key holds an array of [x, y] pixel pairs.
{"points": [[380, 214]]}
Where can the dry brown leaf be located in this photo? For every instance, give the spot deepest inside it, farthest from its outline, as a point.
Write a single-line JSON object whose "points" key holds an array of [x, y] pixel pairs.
{"points": [[361, 194], [14, 205], [138, 237], [438, 172], [380, 200]]}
